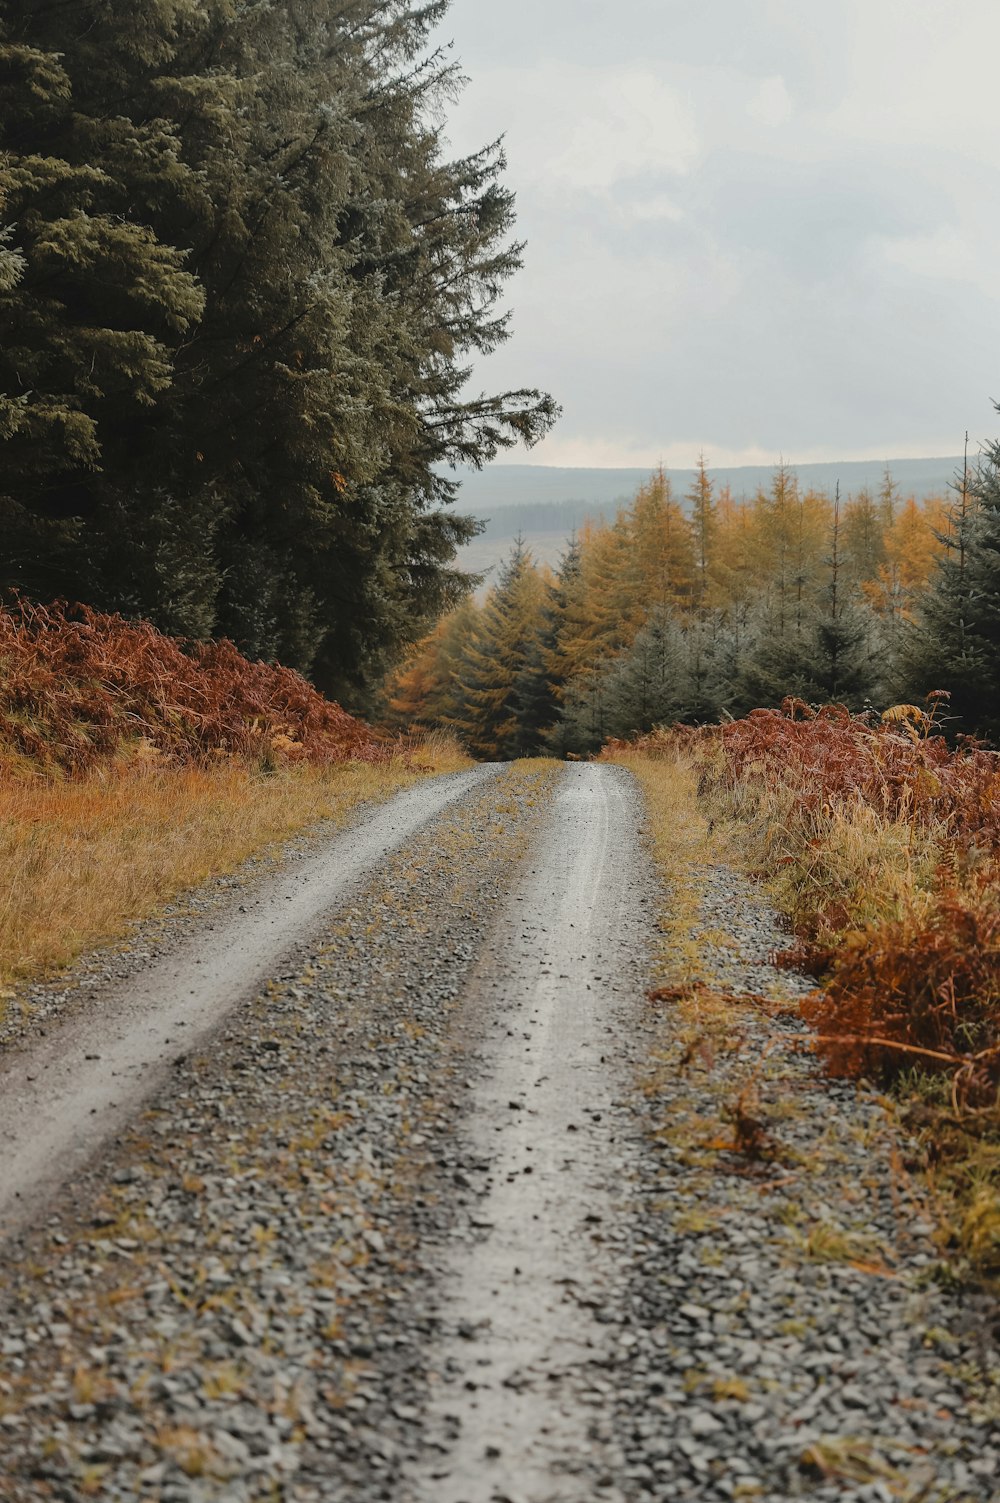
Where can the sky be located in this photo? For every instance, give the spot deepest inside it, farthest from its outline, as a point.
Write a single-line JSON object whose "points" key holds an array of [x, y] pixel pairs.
{"points": [[755, 228]]}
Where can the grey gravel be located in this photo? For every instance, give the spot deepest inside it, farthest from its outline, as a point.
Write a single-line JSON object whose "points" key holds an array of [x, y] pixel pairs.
{"points": [[794, 1337], [233, 1305], [249, 1297]]}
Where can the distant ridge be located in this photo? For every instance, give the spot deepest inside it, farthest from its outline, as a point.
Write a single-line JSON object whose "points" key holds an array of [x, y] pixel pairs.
{"points": [[534, 484], [544, 504]]}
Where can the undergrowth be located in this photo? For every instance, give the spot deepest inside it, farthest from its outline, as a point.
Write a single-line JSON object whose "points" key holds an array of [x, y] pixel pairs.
{"points": [[881, 844], [79, 689]]}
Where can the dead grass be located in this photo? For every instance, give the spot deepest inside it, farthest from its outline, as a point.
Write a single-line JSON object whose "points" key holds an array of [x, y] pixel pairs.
{"points": [[84, 858], [881, 843], [678, 832]]}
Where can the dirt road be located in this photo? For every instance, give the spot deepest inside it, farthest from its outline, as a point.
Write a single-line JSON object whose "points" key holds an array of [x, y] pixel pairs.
{"points": [[425, 1203]]}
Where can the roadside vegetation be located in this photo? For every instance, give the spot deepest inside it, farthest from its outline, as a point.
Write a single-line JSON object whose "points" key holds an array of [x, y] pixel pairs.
{"points": [[880, 843], [134, 766]]}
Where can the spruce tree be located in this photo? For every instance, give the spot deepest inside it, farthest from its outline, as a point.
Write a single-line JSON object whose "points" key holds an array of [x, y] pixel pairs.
{"points": [[955, 645], [276, 471], [95, 304], [863, 538], [648, 685], [704, 528]]}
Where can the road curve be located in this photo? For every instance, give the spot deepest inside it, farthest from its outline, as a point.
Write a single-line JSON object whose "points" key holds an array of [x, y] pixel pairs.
{"points": [[61, 1096]]}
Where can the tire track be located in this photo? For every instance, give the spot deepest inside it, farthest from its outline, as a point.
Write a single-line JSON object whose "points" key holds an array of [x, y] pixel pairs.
{"points": [[529, 1307], [63, 1095]]}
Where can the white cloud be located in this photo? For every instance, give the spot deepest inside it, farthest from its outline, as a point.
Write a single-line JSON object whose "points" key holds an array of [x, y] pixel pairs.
{"points": [[627, 124], [585, 129], [657, 207], [940, 254], [772, 103], [745, 223], [629, 451], [922, 76]]}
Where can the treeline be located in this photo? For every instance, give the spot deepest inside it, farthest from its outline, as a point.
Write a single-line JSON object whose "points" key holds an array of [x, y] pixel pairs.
{"points": [[240, 288], [688, 609]]}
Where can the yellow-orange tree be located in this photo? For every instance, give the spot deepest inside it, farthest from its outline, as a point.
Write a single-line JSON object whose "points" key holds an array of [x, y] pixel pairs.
{"points": [[500, 663]]}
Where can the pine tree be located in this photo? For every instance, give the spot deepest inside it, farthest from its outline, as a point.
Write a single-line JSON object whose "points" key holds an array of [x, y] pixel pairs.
{"points": [[826, 658], [660, 562], [423, 692], [704, 528], [90, 322], [863, 532], [648, 685], [595, 616], [734, 571], [839, 662]]}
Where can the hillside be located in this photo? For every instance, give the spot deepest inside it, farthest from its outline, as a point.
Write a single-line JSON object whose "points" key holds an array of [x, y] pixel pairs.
{"points": [[545, 503]]}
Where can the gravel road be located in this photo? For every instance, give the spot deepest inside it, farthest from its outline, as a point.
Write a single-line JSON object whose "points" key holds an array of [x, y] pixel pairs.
{"points": [[437, 1208], [68, 1091]]}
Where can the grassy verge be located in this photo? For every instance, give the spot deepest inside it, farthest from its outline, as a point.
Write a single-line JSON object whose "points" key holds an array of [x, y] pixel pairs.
{"points": [[881, 847], [678, 831], [84, 858]]}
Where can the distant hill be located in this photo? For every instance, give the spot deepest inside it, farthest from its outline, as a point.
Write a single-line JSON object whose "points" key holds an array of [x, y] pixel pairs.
{"points": [[545, 503], [534, 484]]}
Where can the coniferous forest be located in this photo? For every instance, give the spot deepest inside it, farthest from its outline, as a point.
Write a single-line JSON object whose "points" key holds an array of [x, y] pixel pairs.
{"points": [[240, 289], [698, 607]]}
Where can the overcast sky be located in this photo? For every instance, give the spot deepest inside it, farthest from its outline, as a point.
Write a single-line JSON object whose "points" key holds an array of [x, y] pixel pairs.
{"points": [[755, 227]]}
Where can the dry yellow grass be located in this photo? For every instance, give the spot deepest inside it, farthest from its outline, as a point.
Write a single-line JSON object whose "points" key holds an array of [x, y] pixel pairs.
{"points": [[679, 834], [828, 872], [82, 860]]}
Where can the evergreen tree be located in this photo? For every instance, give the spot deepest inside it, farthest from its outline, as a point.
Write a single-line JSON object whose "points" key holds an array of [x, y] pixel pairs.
{"points": [[704, 527], [708, 691], [94, 305], [837, 658], [955, 645], [648, 685], [310, 277], [493, 677], [864, 535]]}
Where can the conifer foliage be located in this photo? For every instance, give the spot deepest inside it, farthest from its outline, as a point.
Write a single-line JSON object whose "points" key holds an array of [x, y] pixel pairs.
{"points": [[958, 642], [240, 288], [684, 611]]}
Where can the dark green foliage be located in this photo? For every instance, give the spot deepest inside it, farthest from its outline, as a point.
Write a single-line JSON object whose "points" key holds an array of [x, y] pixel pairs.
{"points": [[669, 674], [956, 643], [252, 284]]}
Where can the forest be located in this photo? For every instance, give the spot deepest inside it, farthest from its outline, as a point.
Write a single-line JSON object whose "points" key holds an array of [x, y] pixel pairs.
{"points": [[242, 284], [692, 608]]}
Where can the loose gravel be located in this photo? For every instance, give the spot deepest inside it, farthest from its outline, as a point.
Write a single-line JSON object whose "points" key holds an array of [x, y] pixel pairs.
{"points": [[232, 1305], [790, 1335], [262, 1290], [529, 1283], [63, 1094]]}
